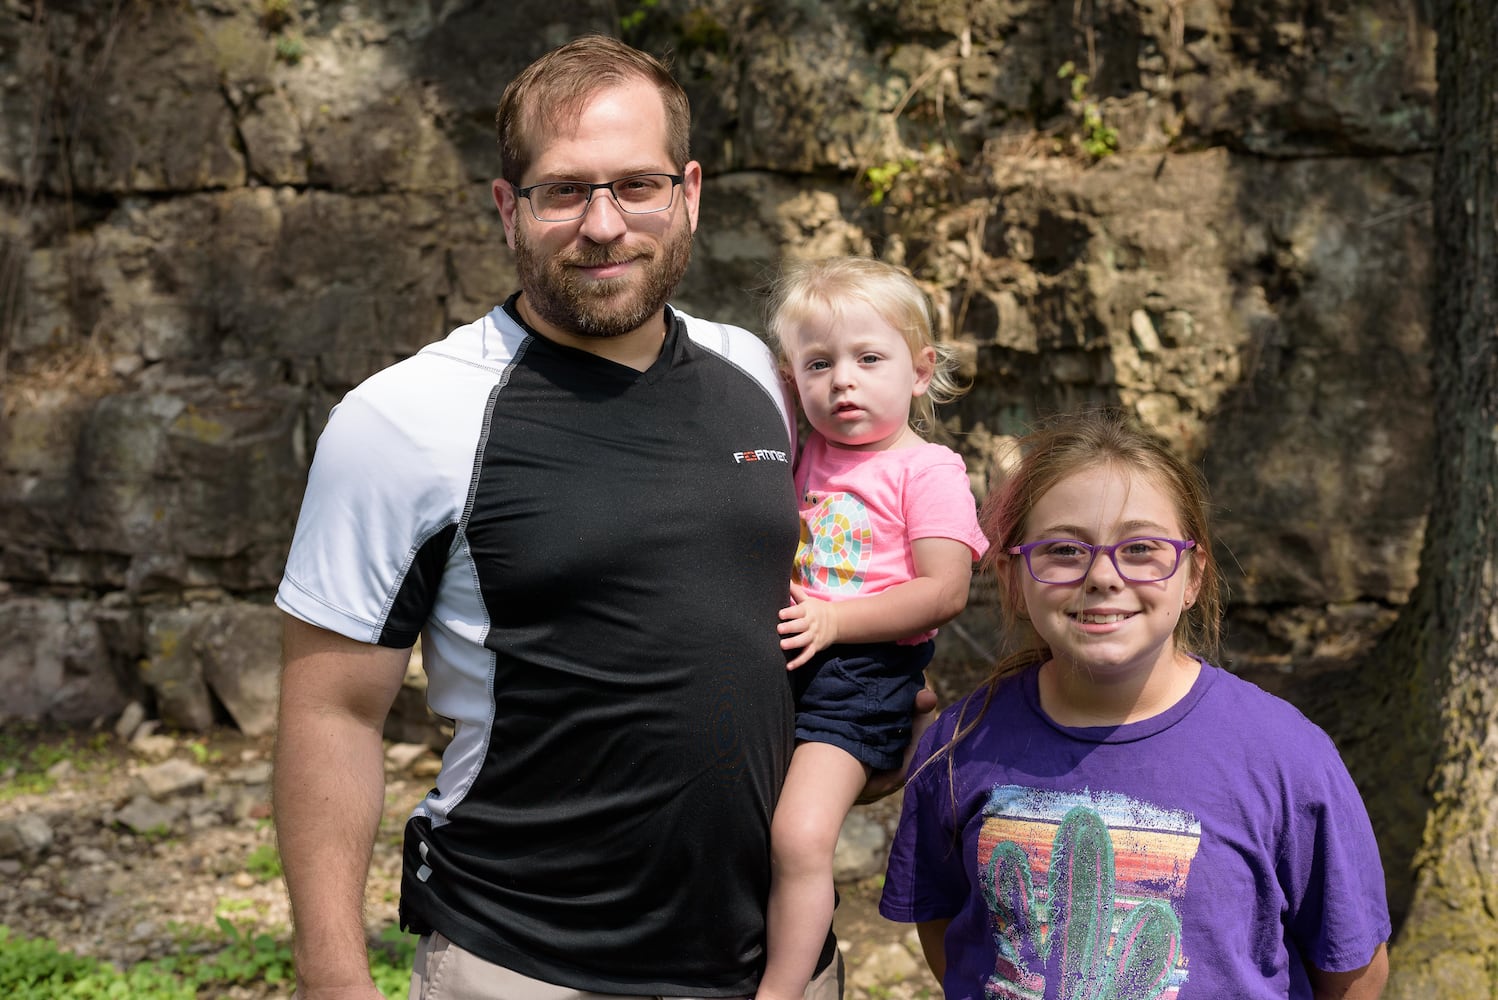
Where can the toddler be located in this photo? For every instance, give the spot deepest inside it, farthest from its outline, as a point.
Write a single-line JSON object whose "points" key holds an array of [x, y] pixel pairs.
{"points": [[888, 538]]}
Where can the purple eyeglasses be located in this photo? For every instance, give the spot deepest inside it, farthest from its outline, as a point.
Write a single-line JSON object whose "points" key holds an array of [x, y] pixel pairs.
{"points": [[1061, 561]]}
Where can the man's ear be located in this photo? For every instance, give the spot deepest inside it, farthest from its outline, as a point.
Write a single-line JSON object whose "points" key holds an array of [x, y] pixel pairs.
{"points": [[691, 190], [507, 203]]}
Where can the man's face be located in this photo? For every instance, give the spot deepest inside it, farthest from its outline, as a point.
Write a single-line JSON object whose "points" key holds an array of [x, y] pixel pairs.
{"points": [[609, 273]]}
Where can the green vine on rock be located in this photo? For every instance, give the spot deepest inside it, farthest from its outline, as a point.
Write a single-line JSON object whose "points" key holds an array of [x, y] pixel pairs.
{"points": [[278, 17], [881, 178], [632, 21], [1097, 139]]}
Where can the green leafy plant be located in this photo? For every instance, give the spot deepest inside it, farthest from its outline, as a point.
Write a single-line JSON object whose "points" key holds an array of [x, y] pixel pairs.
{"points": [[633, 20], [290, 49], [39, 970], [203, 753], [701, 31], [264, 862], [27, 757], [246, 957], [881, 178], [279, 18], [208, 962], [390, 962], [1097, 139]]}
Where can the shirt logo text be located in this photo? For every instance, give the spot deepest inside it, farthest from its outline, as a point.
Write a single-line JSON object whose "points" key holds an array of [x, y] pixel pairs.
{"points": [[760, 455]]}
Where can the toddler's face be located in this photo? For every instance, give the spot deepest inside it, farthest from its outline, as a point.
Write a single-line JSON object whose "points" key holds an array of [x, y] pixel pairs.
{"points": [[856, 377]]}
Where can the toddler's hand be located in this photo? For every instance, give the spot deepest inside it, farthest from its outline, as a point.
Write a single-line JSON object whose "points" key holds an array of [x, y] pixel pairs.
{"points": [[809, 625]]}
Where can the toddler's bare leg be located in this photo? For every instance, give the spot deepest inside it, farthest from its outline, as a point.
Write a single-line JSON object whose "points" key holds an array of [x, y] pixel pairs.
{"points": [[821, 786]]}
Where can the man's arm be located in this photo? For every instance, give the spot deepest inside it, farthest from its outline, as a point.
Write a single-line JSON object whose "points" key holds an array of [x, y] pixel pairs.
{"points": [[1359, 984], [329, 793]]}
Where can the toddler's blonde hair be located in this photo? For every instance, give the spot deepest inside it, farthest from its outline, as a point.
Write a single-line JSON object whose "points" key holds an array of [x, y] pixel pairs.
{"points": [[811, 290]]}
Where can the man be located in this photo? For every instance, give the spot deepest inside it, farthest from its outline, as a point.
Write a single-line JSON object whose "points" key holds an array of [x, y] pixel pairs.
{"points": [[583, 505]]}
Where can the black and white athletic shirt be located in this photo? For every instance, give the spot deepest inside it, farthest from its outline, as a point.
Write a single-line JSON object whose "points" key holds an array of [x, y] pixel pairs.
{"points": [[594, 558]]}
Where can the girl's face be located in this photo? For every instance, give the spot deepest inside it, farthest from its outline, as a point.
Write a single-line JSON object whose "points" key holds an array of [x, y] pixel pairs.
{"points": [[856, 377], [1105, 625]]}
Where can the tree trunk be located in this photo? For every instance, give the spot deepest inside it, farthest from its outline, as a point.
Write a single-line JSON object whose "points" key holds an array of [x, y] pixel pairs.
{"points": [[1448, 946]]}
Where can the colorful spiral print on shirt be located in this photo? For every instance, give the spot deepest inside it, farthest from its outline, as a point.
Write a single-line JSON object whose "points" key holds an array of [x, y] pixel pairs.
{"points": [[836, 543]]}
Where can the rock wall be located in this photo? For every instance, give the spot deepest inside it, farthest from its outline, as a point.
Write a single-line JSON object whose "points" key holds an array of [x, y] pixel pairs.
{"points": [[219, 215]]}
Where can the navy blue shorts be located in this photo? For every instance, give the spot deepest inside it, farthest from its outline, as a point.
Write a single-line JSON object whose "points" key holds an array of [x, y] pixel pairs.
{"points": [[860, 698]]}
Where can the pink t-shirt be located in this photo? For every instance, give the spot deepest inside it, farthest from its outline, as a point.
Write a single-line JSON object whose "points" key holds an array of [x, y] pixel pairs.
{"points": [[861, 510]]}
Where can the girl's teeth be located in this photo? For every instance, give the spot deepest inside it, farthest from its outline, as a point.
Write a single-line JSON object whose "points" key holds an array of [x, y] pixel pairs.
{"points": [[1100, 619]]}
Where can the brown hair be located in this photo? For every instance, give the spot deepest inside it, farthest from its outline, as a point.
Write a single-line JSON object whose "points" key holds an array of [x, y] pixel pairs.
{"points": [[807, 290], [551, 92]]}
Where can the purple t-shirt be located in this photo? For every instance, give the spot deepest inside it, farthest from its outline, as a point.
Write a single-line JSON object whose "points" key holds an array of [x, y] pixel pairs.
{"points": [[1209, 852]]}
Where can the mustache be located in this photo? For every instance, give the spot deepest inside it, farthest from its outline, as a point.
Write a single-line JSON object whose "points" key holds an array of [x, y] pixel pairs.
{"points": [[602, 256]]}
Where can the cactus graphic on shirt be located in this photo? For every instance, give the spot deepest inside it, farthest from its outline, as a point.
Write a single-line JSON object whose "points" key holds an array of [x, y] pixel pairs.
{"points": [[1068, 947]]}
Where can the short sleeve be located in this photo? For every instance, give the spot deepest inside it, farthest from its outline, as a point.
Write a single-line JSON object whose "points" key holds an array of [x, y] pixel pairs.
{"points": [[939, 504], [926, 878], [1331, 871], [384, 496]]}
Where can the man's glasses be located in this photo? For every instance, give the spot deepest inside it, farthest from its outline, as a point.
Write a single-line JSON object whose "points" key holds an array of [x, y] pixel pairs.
{"points": [[1060, 561], [564, 201]]}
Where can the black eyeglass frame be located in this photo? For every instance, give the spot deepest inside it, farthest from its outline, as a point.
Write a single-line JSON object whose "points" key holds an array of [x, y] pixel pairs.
{"points": [[1182, 546], [675, 179]]}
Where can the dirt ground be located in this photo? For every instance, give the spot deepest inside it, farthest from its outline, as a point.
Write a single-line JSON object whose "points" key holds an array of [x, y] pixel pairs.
{"points": [[101, 889]]}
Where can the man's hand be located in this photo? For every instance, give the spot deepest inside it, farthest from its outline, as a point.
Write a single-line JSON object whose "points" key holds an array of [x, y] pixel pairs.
{"points": [[882, 783], [809, 625]]}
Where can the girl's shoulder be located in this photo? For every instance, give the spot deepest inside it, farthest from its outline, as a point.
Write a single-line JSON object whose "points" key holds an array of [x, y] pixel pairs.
{"points": [[1250, 701], [1238, 711], [993, 704]]}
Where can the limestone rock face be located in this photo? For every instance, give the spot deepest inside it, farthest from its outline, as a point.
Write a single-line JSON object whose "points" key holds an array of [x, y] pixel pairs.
{"points": [[1213, 214]]}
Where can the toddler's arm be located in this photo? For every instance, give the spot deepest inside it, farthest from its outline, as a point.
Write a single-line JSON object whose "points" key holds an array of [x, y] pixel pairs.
{"points": [[944, 568]]}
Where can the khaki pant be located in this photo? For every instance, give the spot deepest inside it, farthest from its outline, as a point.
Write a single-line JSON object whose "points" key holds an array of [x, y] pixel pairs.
{"points": [[443, 971]]}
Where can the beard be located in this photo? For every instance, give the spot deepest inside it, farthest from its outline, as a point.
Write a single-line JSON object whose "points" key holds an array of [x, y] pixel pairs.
{"points": [[612, 307]]}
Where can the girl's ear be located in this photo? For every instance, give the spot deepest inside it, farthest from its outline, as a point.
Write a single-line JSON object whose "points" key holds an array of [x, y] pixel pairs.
{"points": [[925, 368], [1194, 583]]}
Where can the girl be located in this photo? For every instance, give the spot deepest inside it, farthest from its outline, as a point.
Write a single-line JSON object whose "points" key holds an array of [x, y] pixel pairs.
{"points": [[1111, 816], [889, 535]]}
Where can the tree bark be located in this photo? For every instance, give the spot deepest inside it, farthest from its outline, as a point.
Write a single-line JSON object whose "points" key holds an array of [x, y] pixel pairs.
{"points": [[1448, 945]]}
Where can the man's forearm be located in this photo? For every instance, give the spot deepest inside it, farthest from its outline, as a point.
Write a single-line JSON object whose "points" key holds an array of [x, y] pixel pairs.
{"points": [[329, 795]]}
